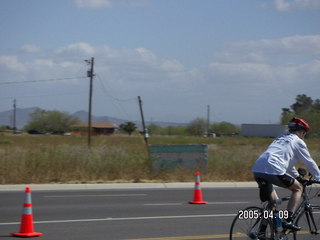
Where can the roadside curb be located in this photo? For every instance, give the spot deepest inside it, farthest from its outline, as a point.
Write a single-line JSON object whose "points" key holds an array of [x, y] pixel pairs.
{"points": [[114, 186]]}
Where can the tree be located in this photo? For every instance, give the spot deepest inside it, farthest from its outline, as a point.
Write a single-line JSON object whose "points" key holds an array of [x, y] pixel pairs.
{"points": [[169, 130], [154, 129], [286, 115], [306, 108], [316, 106], [197, 127], [225, 128], [175, 130], [2, 128], [303, 104], [128, 127], [55, 122]]}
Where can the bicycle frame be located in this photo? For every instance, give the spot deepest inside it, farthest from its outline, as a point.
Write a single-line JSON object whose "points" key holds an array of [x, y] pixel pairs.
{"points": [[303, 213], [307, 207]]}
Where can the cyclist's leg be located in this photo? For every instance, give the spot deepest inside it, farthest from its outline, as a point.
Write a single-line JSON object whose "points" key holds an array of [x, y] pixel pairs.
{"points": [[296, 189], [274, 196], [284, 181], [266, 190], [266, 193]]}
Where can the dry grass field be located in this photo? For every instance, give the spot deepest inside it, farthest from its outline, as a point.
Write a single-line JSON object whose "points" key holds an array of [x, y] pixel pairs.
{"points": [[28, 159]]}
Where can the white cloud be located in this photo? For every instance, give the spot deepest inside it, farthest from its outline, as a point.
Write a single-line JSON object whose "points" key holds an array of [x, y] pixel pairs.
{"points": [[126, 68], [128, 3], [99, 4], [286, 5], [29, 48], [11, 63], [314, 68], [144, 55], [301, 45], [93, 4], [44, 62], [77, 50], [267, 68], [267, 49]]}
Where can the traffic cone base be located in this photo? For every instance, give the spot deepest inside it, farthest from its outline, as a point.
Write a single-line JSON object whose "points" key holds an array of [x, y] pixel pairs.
{"points": [[34, 234], [198, 202]]}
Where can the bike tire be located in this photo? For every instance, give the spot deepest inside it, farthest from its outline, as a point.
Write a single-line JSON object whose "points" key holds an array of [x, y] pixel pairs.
{"points": [[309, 221], [248, 228]]}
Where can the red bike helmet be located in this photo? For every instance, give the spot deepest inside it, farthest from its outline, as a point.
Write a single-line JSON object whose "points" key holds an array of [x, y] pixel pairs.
{"points": [[297, 124]]}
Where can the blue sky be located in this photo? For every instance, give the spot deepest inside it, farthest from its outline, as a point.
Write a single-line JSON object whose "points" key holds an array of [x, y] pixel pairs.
{"points": [[246, 59]]}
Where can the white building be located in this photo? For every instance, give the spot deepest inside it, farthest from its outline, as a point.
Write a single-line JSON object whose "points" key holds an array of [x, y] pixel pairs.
{"points": [[262, 130]]}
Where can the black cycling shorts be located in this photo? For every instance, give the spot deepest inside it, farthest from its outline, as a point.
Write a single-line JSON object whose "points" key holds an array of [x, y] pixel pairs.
{"points": [[284, 181], [266, 182]]}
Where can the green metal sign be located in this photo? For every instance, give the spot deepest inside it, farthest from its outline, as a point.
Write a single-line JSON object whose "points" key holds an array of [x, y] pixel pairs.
{"points": [[169, 157]]}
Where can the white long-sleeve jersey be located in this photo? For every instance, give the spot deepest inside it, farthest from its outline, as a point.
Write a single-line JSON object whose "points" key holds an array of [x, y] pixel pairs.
{"points": [[282, 155]]}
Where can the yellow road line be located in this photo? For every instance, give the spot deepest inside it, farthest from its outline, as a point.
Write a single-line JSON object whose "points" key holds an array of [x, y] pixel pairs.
{"points": [[188, 237], [217, 236]]}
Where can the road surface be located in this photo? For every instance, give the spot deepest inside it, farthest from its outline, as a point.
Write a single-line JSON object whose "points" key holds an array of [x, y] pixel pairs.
{"points": [[119, 214]]}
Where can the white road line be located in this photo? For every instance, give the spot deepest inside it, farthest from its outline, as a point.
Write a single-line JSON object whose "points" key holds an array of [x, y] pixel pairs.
{"points": [[178, 204], [124, 219], [162, 204], [96, 195], [227, 203]]}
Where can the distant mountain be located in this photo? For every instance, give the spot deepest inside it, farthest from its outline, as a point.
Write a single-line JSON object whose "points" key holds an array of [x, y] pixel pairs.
{"points": [[83, 116], [23, 118]]}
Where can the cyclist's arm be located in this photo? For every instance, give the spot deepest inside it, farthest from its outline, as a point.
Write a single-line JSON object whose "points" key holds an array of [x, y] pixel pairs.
{"points": [[293, 172], [304, 156]]}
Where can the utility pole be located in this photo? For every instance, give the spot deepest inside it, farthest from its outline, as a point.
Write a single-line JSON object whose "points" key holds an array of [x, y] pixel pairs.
{"points": [[90, 75], [14, 115], [208, 120], [145, 130]]}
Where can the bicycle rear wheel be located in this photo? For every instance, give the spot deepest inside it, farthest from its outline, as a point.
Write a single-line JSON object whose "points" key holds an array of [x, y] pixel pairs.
{"points": [[309, 221], [250, 225]]}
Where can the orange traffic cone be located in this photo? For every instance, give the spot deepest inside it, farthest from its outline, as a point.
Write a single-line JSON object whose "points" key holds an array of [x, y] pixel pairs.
{"points": [[26, 226], [197, 196]]}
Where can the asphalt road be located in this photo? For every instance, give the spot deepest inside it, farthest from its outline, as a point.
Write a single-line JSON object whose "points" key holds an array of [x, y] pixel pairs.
{"points": [[151, 214]]}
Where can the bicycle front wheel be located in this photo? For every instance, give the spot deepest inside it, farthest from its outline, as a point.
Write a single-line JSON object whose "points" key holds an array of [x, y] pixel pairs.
{"points": [[309, 221], [249, 224]]}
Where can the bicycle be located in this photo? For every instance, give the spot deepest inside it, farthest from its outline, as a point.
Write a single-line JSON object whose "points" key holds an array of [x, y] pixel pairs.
{"points": [[265, 223]]}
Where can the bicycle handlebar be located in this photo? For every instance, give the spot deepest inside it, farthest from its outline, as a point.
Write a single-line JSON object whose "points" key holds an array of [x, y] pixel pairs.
{"points": [[308, 182], [311, 181]]}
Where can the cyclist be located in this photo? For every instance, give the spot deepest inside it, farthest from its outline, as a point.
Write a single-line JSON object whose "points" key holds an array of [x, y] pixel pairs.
{"points": [[276, 167]]}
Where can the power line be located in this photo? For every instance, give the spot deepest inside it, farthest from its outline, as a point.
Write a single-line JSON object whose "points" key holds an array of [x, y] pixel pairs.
{"points": [[46, 95], [110, 95], [44, 80]]}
